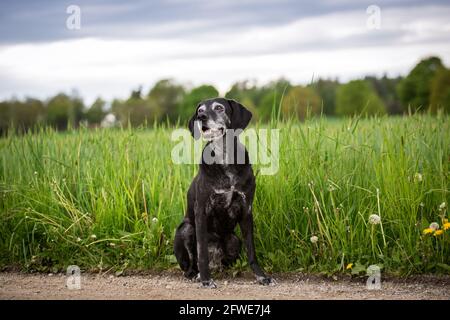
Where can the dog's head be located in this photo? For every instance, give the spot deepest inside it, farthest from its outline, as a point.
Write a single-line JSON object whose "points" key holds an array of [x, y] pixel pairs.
{"points": [[214, 116]]}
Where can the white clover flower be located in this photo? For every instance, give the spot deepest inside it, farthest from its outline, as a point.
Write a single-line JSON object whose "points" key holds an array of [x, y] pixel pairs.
{"points": [[78, 239], [374, 219], [373, 269], [93, 236], [35, 173], [155, 220], [442, 206], [434, 226], [314, 239], [418, 177], [112, 244]]}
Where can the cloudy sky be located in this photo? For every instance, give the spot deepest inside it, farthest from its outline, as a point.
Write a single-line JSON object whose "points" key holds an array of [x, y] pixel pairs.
{"points": [[123, 44]]}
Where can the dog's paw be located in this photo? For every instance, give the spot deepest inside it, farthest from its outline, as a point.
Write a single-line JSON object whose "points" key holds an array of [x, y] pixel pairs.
{"points": [[266, 281], [209, 284], [191, 275]]}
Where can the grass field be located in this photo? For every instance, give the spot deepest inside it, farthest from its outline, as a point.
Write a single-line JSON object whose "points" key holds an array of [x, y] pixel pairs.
{"points": [[111, 199]]}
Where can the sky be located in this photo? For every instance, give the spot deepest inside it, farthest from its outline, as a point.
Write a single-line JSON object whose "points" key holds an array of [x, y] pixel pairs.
{"points": [[121, 45]]}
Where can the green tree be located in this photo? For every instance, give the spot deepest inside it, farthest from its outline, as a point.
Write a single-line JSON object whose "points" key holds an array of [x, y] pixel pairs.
{"points": [[32, 113], [58, 111], [5, 117], [22, 115], [326, 89], [167, 96], [190, 100], [96, 113], [135, 111], [247, 90], [271, 100], [119, 111], [440, 91], [358, 97], [300, 102], [63, 110], [386, 90], [414, 90]]}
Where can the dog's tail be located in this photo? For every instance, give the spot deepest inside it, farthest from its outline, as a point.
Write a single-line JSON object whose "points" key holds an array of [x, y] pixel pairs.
{"points": [[180, 250]]}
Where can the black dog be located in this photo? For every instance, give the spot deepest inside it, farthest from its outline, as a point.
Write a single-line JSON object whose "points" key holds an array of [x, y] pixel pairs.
{"points": [[220, 196]]}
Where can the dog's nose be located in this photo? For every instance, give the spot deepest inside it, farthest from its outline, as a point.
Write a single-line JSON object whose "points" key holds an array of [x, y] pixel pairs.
{"points": [[202, 117]]}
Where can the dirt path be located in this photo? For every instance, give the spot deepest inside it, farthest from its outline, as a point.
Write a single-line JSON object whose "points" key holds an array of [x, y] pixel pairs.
{"points": [[15, 285]]}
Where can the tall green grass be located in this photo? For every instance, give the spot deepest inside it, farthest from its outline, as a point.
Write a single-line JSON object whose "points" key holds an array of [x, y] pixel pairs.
{"points": [[111, 199]]}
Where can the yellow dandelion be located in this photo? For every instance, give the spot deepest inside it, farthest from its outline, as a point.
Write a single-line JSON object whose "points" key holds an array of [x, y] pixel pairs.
{"points": [[349, 266], [446, 226], [438, 232], [427, 231]]}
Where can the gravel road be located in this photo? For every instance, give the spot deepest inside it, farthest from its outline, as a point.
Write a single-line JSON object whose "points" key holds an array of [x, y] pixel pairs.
{"points": [[15, 285]]}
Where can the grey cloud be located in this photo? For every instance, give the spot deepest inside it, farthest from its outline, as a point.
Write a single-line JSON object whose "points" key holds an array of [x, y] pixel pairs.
{"points": [[44, 20]]}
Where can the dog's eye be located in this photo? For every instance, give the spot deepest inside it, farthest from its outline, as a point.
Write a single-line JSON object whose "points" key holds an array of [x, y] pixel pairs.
{"points": [[201, 109], [219, 108]]}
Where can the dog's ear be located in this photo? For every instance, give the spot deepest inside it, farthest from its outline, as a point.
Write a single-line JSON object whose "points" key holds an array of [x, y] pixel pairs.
{"points": [[240, 116], [195, 131]]}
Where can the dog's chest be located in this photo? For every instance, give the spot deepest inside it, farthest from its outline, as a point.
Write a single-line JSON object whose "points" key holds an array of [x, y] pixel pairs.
{"points": [[227, 194]]}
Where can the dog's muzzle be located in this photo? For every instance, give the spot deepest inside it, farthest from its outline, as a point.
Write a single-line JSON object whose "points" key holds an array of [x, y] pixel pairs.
{"points": [[212, 133]]}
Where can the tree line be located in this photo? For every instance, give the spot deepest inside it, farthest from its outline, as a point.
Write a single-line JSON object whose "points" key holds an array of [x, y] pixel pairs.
{"points": [[425, 89]]}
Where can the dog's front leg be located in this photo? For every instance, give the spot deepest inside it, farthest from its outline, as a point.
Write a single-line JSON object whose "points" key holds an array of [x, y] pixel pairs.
{"points": [[202, 245], [246, 225]]}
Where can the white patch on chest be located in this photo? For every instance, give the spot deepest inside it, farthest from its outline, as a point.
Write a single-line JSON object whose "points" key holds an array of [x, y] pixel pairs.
{"points": [[228, 193]]}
